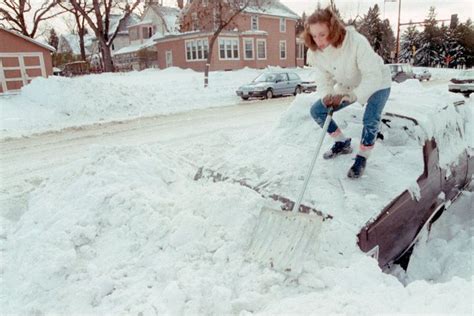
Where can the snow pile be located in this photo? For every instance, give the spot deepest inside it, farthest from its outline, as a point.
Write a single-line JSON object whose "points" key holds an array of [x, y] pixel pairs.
{"points": [[126, 230], [59, 102], [448, 248]]}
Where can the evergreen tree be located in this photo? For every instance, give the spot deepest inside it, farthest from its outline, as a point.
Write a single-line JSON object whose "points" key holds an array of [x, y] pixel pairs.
{"points": [[409, 44], [378, 32], [465, 34], [53, 39], [300, 24], [431, 40], [451, 53]]}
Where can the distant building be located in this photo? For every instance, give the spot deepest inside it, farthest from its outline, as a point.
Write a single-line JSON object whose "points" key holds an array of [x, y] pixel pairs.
{"points": [[122, 37], [157, 20], [258, 37], [22, 59], [69, 43]]}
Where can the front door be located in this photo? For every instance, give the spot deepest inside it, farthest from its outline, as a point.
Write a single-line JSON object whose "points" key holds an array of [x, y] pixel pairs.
{"points": [[169, 58]]}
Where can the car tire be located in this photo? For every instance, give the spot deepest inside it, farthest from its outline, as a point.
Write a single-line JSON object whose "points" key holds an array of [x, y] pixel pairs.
{"points": [[269, 94], [245, 98], [297, 90]]}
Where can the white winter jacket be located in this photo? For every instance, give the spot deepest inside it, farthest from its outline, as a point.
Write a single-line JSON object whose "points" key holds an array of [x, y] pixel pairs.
{"points": [[352, 67]]}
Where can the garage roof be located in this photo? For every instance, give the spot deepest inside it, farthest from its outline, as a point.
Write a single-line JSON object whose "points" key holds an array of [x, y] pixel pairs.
{"points": [[49, 47]]}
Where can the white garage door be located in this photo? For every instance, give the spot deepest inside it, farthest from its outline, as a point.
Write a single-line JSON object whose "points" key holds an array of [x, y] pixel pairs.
{"points": [[18, 69]]}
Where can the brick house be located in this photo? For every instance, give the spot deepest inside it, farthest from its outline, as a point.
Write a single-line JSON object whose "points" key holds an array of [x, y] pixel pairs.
{"points": [[141, 53], [22, 59], [257, 38]]}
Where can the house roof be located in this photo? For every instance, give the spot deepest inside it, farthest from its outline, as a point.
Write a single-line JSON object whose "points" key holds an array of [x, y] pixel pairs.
{"points": [[115, 19], [29, 39], [144, 22], [73, 42], [136, 47], [274, 8], [168, 14]]}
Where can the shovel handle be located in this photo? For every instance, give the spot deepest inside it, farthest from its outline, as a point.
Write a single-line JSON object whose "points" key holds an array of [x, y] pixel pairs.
{"points": [[313, 161]]}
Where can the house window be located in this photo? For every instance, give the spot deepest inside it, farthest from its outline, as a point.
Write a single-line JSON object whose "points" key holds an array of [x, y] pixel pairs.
{"points": [[196, 49], [300, 52], [147, 32], [261, 49], [249, 48], [228, 48], [282, 25], [254, 23], [199, 49], [282, 49]]}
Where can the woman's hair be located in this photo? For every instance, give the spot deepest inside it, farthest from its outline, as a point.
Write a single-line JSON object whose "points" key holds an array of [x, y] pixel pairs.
{"points": [[337, 30]]}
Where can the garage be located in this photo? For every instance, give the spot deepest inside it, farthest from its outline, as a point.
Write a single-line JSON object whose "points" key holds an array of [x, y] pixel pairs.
{"points": [[21, 60]]}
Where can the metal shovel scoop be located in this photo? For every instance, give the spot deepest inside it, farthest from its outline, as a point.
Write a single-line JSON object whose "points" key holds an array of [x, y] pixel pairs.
{"points": [[280, 238]]}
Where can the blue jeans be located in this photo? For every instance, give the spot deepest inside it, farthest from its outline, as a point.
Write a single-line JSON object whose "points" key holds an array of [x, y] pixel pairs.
{"points": [[372, 115]]}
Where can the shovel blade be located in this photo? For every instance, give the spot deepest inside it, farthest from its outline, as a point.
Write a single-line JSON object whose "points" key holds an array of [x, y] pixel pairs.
{"points": [[281, 239]]}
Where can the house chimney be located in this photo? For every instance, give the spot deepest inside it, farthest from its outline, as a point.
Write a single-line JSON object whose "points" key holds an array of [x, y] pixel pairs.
{"points": [[180, 4]]}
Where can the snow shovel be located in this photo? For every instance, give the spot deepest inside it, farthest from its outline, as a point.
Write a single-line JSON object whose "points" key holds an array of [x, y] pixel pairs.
{"points": [[280, 238]]}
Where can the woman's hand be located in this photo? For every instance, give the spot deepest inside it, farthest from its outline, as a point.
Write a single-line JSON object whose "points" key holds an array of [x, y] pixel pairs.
{"points": [[327, 101], [334, 101]]}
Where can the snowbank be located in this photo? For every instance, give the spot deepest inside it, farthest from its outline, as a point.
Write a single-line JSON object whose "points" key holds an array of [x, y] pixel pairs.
{"points": [[59, 102], [126, 230]]}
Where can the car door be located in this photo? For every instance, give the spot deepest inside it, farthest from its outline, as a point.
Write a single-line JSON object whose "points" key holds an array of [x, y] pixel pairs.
{"points": [[281, 82], [295, 80]]}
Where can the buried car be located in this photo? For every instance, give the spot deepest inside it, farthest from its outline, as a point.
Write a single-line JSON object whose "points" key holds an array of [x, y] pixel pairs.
{"points": [[424, 160], [270, 84], [464, 83]]}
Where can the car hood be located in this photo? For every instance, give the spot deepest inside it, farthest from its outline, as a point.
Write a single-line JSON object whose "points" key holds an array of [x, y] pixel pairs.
{"points": [[255, 85]]}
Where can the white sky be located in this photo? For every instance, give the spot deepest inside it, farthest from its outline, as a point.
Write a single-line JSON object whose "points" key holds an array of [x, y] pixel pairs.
{"points": [[415, 10]]}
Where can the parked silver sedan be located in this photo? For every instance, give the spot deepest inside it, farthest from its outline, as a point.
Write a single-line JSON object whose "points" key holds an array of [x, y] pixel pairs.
{"points": [[270, 84], [422, 74]]}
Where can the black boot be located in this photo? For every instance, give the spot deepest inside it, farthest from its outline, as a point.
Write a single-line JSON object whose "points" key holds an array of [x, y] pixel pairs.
{"points": [[357, 168], [339, 148]]}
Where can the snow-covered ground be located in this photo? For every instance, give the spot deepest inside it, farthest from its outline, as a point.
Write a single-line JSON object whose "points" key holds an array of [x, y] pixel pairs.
{"points": [[126, 230]]}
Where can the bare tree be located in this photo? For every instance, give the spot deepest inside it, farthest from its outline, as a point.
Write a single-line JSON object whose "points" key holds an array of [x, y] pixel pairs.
{"points": [[101, 10], [80, 22], [15, 13], [216, 16]]}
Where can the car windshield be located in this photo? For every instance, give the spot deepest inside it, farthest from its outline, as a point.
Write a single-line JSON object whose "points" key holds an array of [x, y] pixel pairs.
{"points": [[265, 78]]}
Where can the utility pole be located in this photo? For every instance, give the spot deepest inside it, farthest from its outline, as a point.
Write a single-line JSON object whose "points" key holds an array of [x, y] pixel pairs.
{"points": [[397, 49]]}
